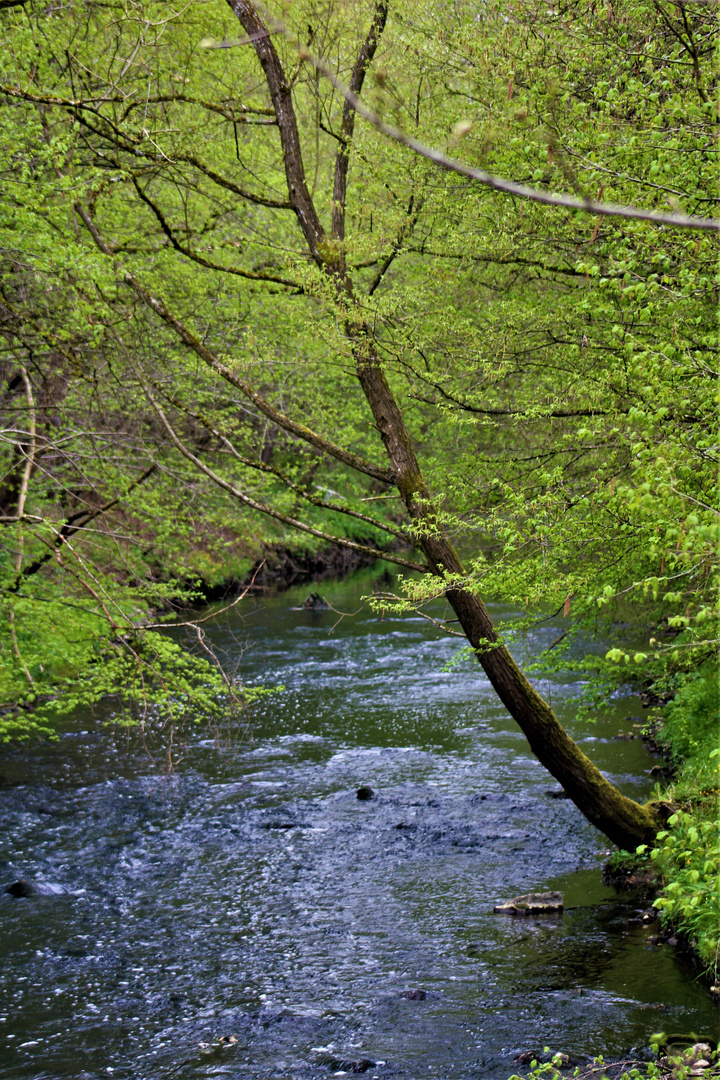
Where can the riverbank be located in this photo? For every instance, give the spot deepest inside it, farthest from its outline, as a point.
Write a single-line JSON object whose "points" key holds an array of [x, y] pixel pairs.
{"points": [[674, 1058], [686, 855], [281, 567], [681, 876]]}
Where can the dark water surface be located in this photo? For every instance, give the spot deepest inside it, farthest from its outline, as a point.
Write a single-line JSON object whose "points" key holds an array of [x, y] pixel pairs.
{"points": [[252, 897]]}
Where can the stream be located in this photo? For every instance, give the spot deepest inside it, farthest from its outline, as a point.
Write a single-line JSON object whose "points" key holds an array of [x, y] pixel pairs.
{"points": [[249, 916]]}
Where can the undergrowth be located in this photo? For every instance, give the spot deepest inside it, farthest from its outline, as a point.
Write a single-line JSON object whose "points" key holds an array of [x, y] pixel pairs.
{"points": [[687, 852], [672, 1062]]}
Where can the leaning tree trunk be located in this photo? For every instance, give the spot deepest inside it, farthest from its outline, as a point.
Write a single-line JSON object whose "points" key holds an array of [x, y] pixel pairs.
{"points": [[624, 821]]}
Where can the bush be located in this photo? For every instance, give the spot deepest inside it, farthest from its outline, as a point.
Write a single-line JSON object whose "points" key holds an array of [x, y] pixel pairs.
{"points": [[688, 857], [690, 721]]}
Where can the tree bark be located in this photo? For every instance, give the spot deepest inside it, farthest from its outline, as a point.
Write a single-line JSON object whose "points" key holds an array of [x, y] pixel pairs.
{"points": [[623, 821]]}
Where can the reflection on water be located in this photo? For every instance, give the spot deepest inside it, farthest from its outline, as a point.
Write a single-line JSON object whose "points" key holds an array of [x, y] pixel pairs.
{"points": [[251, 917]]}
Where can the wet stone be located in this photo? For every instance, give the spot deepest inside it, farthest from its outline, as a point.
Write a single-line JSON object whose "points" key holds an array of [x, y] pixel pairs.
{"points": [[545, 903], [365, 794], [316, 602], [73, 954], [360, 1065]]}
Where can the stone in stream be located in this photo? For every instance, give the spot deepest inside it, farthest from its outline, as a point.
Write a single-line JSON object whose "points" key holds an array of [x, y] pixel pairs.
{"points": [[34, 888], [541, 903], [316, 602], [360, 1065], [414, 995], [364, 794]]}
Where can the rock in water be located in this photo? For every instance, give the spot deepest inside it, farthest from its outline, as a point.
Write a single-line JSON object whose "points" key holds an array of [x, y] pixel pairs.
{"points": [[360, 1066], [534, 903], [364, 794], [316, 602], [34, 888], [21, 888]]}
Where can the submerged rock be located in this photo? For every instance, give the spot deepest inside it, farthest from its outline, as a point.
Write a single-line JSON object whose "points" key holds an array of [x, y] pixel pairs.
{"points": [[543, 903], [361, 1065], [414, 995], [364, 794]]}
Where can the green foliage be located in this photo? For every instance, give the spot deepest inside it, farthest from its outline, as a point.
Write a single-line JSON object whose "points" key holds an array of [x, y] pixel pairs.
{"points": [[71, 658], [688, 857], [557, 374], [678, 1064], [691, 721]]}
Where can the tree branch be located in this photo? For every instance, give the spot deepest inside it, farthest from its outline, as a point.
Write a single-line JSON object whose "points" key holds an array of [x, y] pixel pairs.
{"points": [[303, 492], [342, 159], [221, 181], [407, 227], [281, 97], [72, 525], [189, 254], [263, 508], [498, 183], [298, 430], [225, 111]]}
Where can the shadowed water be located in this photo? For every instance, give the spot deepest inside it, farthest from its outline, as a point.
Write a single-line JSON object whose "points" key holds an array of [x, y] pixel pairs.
{"points": [[252, 898]]}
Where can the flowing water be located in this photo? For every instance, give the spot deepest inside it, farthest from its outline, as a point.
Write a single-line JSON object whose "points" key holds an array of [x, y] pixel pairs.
{"points": [[250, 917]]}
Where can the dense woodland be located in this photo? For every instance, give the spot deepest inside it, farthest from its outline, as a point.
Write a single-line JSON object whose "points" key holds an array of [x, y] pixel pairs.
{"points": [[234, 314]]}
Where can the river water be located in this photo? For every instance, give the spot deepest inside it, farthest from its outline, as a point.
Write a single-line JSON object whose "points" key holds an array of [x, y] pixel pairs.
{"points": [[249, 916]]}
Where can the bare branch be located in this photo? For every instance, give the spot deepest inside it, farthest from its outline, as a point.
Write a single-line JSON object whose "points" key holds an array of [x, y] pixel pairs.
{"points": [[213, 614]]}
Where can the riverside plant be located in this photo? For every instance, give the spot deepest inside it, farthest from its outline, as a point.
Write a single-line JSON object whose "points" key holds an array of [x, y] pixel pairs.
{"points": [[695, 1060], [688, 858], [686, 853]]}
